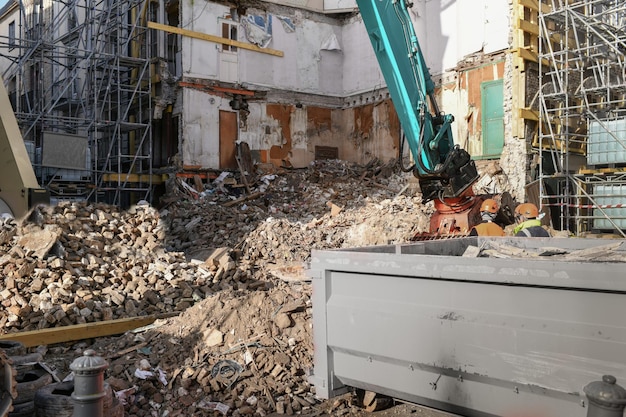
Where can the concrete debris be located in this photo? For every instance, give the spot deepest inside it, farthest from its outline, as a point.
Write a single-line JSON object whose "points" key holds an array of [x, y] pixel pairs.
{"points": [[613, 252], [230, 262]]}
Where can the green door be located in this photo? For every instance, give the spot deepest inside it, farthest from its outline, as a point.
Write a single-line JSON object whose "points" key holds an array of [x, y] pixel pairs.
{"points": [[492, 104]]}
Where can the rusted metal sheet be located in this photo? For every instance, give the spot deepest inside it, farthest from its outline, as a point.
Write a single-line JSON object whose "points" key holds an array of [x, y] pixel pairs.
{"points": [[473, 336]]}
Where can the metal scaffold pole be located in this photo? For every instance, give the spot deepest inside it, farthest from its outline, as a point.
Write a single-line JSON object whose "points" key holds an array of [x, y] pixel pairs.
{"points": [[582, 105], [78, 73]]}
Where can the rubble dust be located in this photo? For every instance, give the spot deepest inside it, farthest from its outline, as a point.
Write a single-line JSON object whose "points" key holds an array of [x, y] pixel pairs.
{"points": [[228, 264]]}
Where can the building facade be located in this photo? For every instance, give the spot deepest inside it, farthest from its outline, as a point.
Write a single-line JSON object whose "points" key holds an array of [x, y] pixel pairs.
{"points": [[146, 87]]}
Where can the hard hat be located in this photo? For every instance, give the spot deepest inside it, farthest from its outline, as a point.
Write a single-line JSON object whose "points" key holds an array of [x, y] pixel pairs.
{"points": [[528, 210], [490, 206]]}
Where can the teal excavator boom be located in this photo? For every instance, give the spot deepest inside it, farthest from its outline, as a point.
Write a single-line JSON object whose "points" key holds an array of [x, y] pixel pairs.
{"points": [[443, 169]]}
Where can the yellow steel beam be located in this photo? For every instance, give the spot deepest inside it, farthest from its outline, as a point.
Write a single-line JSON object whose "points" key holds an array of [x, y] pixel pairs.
{"points": [[212, 38]]}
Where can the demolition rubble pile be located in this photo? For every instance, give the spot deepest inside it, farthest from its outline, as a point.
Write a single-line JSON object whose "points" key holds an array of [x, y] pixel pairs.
{"points": [[228, 262]]}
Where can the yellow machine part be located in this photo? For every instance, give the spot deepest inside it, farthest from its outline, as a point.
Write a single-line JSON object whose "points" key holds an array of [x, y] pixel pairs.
{"points": [[17, 177]]}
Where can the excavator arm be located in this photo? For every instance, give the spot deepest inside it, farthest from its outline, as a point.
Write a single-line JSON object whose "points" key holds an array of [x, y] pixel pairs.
{"points": [[19, 189], [443, 169]]}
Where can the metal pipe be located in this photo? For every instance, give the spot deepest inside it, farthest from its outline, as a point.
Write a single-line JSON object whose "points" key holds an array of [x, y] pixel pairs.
{"points": [[606, 398], [88, 392]]}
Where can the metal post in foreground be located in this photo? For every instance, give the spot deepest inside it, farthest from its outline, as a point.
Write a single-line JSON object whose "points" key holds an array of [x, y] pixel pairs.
{"points": [[88, 392], [606, 398]]}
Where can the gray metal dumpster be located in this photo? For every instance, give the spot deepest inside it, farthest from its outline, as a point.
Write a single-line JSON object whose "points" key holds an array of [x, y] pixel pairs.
{"points": [[473, 336]]}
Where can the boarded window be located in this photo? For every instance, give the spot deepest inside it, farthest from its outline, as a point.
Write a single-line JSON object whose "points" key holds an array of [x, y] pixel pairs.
{"points": [[229, 31], [326, 152]]}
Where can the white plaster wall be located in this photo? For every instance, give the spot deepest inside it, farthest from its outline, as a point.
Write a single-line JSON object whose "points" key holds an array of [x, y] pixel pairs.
{"points": [[201, 58], [261, 131], [454, 100], [446, 30], [307, 55], [298, 127], [330, 5], [497, 25], [361, 72], [200, 128], [305, 66], [459, 28]]}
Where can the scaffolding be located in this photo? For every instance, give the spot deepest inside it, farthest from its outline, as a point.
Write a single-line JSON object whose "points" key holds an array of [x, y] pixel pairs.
{"points": [[80, 83], [582, 108]]}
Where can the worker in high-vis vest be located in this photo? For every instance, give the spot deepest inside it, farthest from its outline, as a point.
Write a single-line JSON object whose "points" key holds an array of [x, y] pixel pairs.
{"points": [[488, 212], [528, 223]]}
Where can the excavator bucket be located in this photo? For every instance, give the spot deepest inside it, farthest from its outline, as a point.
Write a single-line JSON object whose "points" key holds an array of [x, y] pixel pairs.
{"points": [[455, 217]]}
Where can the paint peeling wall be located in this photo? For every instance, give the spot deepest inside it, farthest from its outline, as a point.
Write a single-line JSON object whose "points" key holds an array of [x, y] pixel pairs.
{"points": [[312, 58], [460, 95], [447, 34], [333, 58], [281, 133]]}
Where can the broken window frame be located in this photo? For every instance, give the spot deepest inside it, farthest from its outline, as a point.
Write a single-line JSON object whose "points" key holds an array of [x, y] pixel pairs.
{"points": [[230, 31]]}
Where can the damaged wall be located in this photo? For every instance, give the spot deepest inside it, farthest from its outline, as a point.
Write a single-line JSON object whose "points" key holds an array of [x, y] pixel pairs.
{"points": [[515, 153], [312, 59], [460, 95], [286, 134], [200, 130], [311, 64], [199, 57], [333, 58]]}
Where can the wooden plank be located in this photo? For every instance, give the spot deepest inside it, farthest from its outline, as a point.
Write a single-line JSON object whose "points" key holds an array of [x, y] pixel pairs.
{"points": [[528, 27], [80, 331], [577, 148], [518, 38], [527, 55], [202, 175], [212, 38], [529, 114], [243, 174], [602, 171], [242, 199], [197, 183], [534, 5], [134, 178]]}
